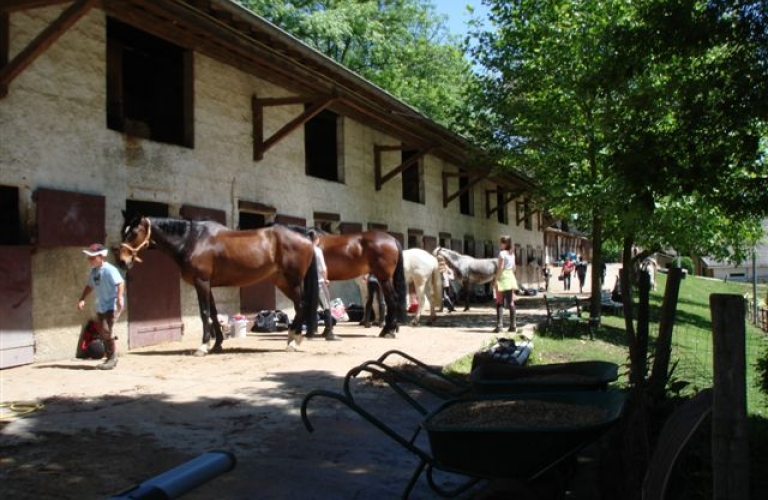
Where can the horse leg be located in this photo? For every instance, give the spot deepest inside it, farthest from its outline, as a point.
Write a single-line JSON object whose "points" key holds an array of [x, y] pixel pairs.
{"points": [[421, 296], [465, 292], [217, 346], [390, 321], [203, 289], [294, 292]]}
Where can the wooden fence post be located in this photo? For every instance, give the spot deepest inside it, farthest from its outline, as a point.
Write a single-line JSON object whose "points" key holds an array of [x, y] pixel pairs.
{"points": [[660, 370], [730, 445]]}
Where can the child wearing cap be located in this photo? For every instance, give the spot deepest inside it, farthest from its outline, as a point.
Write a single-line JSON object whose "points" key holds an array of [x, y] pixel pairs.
{"points": [[109, 286]]}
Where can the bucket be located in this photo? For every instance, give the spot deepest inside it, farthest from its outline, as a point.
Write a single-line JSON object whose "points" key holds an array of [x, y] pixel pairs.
{"points": [[239, 326]]}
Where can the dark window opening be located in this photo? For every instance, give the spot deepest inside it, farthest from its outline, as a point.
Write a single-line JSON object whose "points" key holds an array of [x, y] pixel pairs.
{"points": [[444, 240], [321, 146], [528, 217], [5, 38], [465, 200], [10, 217], [489, 252], [415, 239], [413, 184], [250, 220], [469, 246], [134, 208], [149, 86], [501, 213]]}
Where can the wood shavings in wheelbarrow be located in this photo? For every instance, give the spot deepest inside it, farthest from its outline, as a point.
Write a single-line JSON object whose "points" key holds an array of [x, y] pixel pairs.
{"points": [[476, 437], [494, 413]]}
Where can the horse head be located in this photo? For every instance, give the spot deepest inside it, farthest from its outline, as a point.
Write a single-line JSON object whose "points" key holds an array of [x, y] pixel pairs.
{"points": [[137, 235]]}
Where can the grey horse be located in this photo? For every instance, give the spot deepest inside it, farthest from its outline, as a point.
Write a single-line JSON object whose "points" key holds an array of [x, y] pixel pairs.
{"points": [[468, 270]]}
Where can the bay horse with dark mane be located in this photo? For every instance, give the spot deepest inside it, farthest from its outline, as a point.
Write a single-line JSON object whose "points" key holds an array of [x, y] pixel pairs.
{"points": [[348, 256], [212, 255]]}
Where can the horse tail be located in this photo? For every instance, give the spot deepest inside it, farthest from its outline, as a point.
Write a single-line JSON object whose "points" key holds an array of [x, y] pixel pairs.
{"points": [[437, 287], [311, 293], [401, 288]]}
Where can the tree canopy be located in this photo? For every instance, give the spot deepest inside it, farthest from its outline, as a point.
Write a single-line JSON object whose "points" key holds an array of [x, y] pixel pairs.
{"points": [[402, 46], [642, 116]]}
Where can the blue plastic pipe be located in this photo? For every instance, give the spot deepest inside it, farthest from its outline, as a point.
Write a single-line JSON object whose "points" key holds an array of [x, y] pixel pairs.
{"points": [[182, 479]]}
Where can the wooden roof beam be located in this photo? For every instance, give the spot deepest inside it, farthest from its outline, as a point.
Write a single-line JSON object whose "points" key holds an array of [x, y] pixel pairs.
{"points": [[13, 5]]}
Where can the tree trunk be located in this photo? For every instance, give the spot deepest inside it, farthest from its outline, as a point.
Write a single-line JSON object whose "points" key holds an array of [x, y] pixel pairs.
{"points": [[595, 306]]}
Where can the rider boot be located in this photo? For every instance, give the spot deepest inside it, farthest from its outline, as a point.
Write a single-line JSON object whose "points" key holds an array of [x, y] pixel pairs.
{"points": [[109, 349], [512, 319], [328, 330], [499, 318]]}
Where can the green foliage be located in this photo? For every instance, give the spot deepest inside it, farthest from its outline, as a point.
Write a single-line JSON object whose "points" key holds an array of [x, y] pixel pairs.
{"points": [[649, 116], [400, 45], [762, 371], [687, 264]]}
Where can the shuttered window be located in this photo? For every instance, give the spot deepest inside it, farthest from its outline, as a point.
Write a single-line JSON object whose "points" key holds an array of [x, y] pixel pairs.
{"points": [[69, 219]]}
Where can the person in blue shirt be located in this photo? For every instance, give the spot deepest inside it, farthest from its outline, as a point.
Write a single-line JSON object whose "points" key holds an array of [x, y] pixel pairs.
{"points": [[109, 286]]}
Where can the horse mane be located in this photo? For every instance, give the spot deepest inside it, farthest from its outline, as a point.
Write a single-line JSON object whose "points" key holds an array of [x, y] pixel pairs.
{"points": [[172, 227]]}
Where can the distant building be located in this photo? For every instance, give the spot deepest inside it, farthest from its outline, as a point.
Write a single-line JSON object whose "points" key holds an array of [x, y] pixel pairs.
{"points": [[713, 268]]}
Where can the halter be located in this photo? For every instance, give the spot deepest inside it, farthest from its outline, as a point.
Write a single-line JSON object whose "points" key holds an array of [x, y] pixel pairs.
{"points": [[135, 250]]}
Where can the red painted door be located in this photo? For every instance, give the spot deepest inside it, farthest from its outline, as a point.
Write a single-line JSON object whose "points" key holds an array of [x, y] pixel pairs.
{"points": [[154, 301], [17, 340]]}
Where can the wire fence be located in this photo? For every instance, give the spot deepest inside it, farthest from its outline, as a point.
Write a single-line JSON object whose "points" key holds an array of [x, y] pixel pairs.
{"points": [[691, 362]]}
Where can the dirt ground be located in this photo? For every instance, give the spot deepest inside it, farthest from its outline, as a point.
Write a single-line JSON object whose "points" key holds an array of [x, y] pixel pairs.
{"points": [[94, 434]]}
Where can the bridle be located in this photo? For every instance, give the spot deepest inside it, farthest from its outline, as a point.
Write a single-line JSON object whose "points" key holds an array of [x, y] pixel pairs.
{"points": [[135, 250]]}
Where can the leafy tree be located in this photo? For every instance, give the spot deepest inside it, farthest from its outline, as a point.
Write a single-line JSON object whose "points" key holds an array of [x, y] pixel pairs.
{"points": [[402, 46], [646, 118]]}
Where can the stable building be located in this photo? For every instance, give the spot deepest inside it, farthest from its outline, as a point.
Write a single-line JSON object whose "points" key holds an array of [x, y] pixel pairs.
{"points": [[201, 109]]}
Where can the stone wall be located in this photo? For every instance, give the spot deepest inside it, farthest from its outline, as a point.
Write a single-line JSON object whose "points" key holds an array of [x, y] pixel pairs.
{"points": [[54, 134]]}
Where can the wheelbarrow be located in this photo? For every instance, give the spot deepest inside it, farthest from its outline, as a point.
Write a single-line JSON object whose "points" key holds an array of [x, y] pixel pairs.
{"points": [[485, 378], [498, 449]]}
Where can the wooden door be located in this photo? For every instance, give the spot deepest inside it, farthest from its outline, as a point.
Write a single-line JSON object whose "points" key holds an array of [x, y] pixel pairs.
{"points": [[153, 288], [261, 295], [154, 301], [17, 339]]}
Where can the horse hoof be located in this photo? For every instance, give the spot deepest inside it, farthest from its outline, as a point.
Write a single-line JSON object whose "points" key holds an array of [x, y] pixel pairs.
{"points": [[414, 323], [200, 353], [291, 348], [217, 349], [388, 335]]}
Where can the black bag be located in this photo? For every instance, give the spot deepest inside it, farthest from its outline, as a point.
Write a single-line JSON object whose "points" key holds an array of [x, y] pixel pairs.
{"points": [[267, 321]]}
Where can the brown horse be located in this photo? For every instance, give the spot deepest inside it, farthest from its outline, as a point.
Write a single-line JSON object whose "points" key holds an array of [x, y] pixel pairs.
{"points": [[348, 256], [211, 255]]}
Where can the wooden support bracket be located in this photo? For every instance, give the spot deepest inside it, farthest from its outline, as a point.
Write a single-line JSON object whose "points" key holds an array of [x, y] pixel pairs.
{"points": [[413, 160], [507, 199], [260, 146], [474, 179], [42, 42]]}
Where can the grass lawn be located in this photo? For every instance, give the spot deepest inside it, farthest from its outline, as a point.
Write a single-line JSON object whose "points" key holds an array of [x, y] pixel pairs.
{"points": [[691, 354]]}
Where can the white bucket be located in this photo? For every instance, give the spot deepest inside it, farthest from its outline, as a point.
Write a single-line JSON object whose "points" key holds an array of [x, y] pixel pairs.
{"points": [[240, 326]]}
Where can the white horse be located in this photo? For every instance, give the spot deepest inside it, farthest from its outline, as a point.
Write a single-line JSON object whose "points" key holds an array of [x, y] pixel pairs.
{"points": [[422, 270], [468, 270]]}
